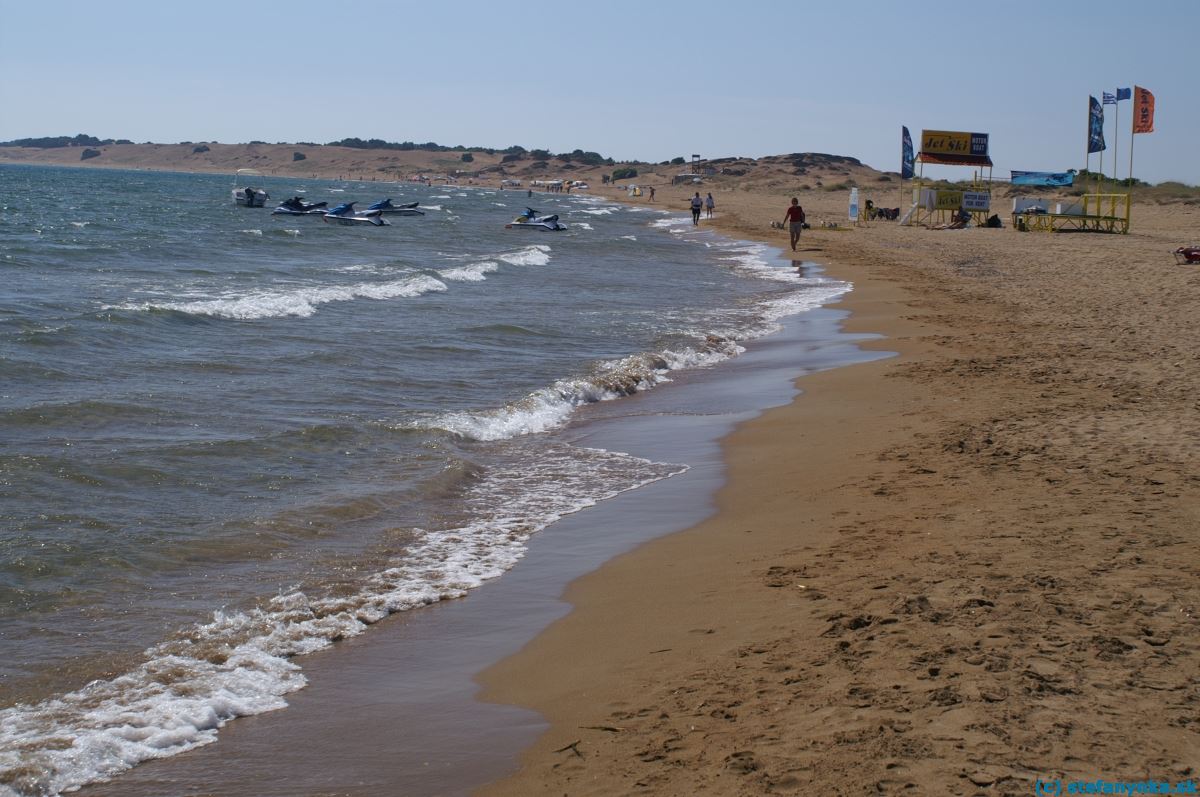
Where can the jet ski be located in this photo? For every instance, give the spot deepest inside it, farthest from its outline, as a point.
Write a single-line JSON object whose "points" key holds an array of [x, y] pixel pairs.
{"points": [[407, 209], [298, 207], [531, 219], [346, 214]]}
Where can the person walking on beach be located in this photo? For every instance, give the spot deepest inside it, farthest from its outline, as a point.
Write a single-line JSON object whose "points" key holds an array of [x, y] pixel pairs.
{"points": [[709, 205], [697, 205], [651, 193], [795, 220]]}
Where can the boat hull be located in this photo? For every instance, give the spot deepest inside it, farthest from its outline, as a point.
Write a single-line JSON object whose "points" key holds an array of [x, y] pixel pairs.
{"points": [[253, 199], [535, 225], [374, 220]]}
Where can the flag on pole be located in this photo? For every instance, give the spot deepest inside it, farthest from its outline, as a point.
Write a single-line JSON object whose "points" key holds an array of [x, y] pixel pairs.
{"points": [[1124, 94], [1095, 126], [1143, 110], [906, 155], [1108, 99]]}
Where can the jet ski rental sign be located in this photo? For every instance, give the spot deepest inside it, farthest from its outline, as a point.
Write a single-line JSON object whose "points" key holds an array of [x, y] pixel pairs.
{"points": [[948, 142]]}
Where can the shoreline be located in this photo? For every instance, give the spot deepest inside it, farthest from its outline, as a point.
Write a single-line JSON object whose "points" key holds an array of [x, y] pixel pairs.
{"points": [[883, 600], [415, 671]]}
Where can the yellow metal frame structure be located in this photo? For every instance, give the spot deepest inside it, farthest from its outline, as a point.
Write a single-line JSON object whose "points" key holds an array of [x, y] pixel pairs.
{"points": [[1101, 213], [936, 217]]}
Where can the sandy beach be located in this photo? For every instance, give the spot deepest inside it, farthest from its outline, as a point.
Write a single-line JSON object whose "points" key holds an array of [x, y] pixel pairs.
{"points": [[961, 570]]}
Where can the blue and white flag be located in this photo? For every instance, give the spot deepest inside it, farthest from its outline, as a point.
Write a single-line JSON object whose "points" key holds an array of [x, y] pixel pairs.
{"points": [[1095, 126], [906, 155], [1109, 99]]}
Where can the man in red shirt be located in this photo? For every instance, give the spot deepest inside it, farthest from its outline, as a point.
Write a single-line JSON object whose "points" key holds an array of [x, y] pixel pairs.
{"points": [[795, 221]]}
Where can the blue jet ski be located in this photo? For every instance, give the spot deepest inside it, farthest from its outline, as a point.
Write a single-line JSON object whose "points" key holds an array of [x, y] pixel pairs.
{"points": [[407, 209], [298, 207]]}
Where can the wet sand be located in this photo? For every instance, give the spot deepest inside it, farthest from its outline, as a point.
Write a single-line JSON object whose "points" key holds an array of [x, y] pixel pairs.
{"points": [[962, 570]]}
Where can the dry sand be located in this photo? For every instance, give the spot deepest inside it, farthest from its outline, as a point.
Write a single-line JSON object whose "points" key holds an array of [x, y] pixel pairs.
{"points": [[952, 572]]}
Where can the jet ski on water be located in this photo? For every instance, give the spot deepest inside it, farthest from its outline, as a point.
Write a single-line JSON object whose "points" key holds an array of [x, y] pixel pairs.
{"points": [[407, 209], [531, 219], [346, 214], [298, 207]]}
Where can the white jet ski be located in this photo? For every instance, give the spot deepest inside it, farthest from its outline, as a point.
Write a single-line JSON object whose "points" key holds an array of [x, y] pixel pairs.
{"points": [[346, 214], [532, 220]]}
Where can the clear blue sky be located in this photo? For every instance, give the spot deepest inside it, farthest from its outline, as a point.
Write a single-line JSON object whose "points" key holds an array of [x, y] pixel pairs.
{"points": [[644, 80]]}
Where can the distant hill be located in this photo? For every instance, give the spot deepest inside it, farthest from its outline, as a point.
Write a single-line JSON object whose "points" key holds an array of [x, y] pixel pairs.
{"points": [[375, 159]]}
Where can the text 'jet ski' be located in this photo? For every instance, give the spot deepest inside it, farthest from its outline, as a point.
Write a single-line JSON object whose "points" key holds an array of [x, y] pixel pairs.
{"points": [[346, 214], [407, 209], [298, 207], [531, 219]]}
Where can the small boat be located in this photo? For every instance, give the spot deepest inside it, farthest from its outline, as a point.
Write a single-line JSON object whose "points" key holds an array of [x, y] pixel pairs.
{"points": [[245, 190], [407, 209], [532, 220], [298, 207], [346, 214]]}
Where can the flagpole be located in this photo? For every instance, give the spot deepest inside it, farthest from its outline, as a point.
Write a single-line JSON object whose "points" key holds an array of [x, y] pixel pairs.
{"points": [[1116, 134], [1087, 148], [1132, 138]]}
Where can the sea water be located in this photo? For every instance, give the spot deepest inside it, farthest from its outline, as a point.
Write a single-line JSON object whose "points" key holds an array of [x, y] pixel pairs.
{"points": [[228, 439]]}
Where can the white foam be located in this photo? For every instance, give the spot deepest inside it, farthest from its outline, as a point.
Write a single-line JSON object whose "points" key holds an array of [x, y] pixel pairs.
{"points": [[551, 407], [252, 232], [301, 302], [583, 225], [432, 207], [473, 273], [629, 237], [672, 221], [535, 255], [239, 663]]}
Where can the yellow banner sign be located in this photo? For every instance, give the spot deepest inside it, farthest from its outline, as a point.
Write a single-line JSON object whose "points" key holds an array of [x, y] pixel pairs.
{"points": [[948, 200], [948, 142]]}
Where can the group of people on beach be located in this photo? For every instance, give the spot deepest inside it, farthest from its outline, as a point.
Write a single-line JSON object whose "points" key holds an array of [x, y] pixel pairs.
{"points": [[793, 217]]}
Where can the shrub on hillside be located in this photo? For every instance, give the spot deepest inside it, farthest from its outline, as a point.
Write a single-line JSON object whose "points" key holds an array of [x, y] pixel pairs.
{"points": [[624, 173]]}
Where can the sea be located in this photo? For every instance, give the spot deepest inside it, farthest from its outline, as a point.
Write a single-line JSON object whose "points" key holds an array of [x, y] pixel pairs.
{"points": [[231, 439]]}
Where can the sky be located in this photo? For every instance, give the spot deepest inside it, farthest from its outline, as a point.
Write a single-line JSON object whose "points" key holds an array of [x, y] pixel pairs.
{"points": [[647, 80]]}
